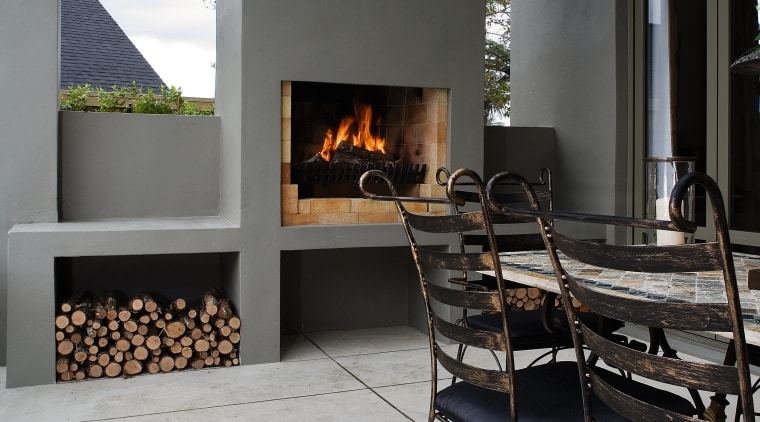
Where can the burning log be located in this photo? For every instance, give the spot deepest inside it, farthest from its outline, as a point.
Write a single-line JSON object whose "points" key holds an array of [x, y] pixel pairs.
{"points": [[347, 153], [133, 337]]}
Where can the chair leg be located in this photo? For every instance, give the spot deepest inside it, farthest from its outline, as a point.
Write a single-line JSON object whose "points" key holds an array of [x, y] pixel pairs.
{"points": [[755, 387], [716, 411]]}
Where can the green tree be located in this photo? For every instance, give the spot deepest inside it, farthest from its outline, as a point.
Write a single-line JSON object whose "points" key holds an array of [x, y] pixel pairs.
{"points": [[497, 59]]}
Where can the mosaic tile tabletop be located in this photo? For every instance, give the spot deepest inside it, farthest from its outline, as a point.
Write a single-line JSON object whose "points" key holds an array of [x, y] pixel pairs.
{"points": [[535, 269]]}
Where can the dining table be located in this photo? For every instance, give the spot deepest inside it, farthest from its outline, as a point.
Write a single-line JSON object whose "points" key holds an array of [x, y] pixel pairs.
{"points": [[534, 269]]}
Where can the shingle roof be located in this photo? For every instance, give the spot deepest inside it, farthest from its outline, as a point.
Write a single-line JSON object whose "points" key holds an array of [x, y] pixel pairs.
{"points": [[95, 50]]}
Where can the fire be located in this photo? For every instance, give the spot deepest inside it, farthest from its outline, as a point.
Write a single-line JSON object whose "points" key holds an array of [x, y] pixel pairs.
{"points": [[354, 129]]}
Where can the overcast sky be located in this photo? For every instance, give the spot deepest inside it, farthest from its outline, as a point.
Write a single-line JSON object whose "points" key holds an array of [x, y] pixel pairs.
{"points": [[177, 37]]}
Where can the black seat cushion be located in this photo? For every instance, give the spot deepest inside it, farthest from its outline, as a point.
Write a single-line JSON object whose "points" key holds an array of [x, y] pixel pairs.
{"points": [[753, 354], [528, 331], [550, 392]]}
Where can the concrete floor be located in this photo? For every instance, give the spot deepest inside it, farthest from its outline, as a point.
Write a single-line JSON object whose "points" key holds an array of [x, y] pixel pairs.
{"points": [[360, 375]]}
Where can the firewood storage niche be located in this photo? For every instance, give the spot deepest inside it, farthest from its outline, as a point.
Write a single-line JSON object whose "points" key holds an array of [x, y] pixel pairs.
{"points": [[332, 133], [128, 315]]}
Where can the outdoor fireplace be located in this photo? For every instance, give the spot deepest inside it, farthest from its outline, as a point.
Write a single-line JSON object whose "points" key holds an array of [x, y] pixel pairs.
{"points": [[215, 199], [332, 133]]}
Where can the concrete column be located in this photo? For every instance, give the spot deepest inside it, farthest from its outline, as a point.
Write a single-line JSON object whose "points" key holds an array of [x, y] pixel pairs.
{"points": [[28, 123]]}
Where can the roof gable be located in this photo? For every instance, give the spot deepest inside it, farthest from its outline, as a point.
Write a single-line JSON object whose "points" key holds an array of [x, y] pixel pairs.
{"points": [[95, 50]]}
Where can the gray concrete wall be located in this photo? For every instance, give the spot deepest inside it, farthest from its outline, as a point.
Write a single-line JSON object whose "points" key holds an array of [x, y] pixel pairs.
{"points": [[229, 103], [118, 165], [340, 289], [568, 72], [522, 150], [396, 42], [28, 124]]}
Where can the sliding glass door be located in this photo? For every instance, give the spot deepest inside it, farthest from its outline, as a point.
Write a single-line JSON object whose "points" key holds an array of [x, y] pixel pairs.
{"points": [[744, 121], [695, 106]]}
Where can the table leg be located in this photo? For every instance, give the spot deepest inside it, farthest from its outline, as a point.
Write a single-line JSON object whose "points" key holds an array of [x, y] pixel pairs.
{"points": [[658, 341]]}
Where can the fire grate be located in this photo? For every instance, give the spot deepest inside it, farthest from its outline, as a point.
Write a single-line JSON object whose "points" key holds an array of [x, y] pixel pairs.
{"points": [[329, 172], [347, 165]]}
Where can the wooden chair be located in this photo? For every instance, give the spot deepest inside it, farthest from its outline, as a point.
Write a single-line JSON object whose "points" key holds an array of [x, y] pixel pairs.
{"points": [[532, 328], [545, 392], [731, 377]]}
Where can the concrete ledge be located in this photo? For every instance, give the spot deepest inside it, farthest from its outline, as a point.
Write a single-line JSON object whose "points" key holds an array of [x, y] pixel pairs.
{"points": [[127, 224]]}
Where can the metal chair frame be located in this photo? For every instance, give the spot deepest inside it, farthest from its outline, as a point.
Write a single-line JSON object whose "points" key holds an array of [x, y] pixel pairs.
{"points": [[501, 379], [511, 243]]}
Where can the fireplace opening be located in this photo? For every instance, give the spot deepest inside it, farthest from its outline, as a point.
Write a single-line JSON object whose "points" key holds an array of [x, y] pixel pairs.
{"points": [[333, 132]]}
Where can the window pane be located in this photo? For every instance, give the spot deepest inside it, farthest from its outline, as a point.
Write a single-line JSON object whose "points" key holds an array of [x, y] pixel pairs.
{"points": [[744, 204], [677, 84]]}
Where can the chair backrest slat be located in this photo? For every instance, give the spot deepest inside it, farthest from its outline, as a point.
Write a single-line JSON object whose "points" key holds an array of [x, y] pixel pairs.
{"points": [[487, 301], [473, 261], [457, 223], [649, 313], [697, 375], [644, 258], [625, 405], [491, 379], [517, 199], [491, 340]]}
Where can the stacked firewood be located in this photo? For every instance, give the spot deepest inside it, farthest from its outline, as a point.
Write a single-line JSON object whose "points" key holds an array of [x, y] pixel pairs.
{"points": [[530, 298], [527, 298], [108, 337]]}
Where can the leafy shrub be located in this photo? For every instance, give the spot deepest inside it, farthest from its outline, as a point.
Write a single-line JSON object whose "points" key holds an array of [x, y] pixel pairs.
{"points": [[149, 104], [116, 99], [77, 100], [191, 109], [132, 99]]}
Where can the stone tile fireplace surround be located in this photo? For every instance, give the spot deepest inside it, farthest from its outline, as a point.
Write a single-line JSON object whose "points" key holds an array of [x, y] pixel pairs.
{"points": [[275, 265], [421, 116]]}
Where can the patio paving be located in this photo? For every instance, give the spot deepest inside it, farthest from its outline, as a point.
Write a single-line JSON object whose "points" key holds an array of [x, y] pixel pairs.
{"points": [[368, 375]]}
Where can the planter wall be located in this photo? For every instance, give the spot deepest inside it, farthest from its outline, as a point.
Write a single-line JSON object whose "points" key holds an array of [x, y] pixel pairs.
{"points": [[118, 165]]}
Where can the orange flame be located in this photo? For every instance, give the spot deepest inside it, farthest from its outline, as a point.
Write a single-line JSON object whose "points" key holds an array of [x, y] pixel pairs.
{"points": [[354, 129]]}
